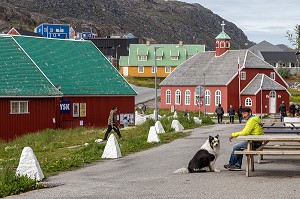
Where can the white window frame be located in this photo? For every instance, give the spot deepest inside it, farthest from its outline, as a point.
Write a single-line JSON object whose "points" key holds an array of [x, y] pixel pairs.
{"points": [[159, 57], [153, 69], [243, 75], [140, 67], [167, 69], [218, 97], [272, 75], [178, 97], [168, 96], [222, 44], [217, 44], [248, 101], [227, 45], [174, 58], [142, 57], [187, 97], [19, 107], [207, 97]]}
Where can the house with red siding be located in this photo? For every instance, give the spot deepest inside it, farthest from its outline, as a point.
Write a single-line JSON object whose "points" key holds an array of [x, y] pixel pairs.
{"points": [[53, 83], [226, 77]]}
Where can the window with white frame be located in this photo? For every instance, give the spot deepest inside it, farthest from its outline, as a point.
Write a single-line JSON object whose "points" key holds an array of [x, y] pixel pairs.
{"points": [[159, 57], [141, 69], [187, 97], [243, 75], [178, 97], [168, 97], [18, 107], [142, 57], [167, 69], [207, 97], [222, 44], [217, 97], [272, 75], [217, 44], [227, 44], [153, 69], [248, 102], [174, 57]]}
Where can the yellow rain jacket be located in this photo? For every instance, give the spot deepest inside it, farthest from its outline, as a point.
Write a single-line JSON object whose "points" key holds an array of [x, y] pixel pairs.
{"points": [[253, 127]]}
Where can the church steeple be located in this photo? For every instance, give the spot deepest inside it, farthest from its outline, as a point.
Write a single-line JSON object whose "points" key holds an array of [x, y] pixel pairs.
{"points": [[222, 41]]}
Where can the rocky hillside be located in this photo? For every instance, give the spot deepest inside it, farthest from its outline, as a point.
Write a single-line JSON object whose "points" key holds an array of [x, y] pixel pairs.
{"points": [[158, 20]]}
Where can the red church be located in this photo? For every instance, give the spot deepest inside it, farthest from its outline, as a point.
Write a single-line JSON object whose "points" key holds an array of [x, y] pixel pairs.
{"points": [[226, 77]]}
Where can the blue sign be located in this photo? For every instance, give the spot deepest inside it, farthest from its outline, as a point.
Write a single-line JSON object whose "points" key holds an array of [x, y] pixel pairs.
{"points": [[65, 106]]}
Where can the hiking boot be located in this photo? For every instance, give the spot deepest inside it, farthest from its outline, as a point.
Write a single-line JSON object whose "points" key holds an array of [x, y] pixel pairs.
{"points": [[234, 168], [226, 166]]}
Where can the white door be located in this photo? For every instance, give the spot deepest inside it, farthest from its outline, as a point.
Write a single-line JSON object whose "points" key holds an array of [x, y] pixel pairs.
{"points": [[125, 71], [272, 102]]}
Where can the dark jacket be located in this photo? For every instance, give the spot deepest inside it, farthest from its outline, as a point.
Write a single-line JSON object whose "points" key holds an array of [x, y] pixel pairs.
{"points": [[231, 111], [219, 111]]}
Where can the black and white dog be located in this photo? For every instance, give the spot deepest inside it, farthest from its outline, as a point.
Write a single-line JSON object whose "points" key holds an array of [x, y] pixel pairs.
{"points": [[205, 157]]}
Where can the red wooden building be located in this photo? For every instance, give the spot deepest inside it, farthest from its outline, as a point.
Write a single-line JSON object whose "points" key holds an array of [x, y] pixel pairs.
{"points": [[215, 77], [50, 83]]}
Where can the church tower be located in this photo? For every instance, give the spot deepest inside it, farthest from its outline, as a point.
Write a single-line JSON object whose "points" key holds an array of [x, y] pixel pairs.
{"points": [[222, 42]]}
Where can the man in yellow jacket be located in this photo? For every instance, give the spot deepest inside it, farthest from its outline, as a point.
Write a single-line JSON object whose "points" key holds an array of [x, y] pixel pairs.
{"points": [[253, 127]]}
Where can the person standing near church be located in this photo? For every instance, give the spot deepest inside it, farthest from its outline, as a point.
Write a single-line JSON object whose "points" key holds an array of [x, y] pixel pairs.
{"points": [[282, 111], [112, 123], [231, 113]]}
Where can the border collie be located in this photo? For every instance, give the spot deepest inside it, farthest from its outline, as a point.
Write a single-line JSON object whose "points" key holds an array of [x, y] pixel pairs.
{"points": [[205, 157]]}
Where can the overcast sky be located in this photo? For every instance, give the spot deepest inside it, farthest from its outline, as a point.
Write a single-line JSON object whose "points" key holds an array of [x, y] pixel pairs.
{"points": [[259, 19]]}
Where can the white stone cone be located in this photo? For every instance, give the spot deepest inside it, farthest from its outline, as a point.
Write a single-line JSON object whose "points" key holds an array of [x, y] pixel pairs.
{"points": [[112, 149], [153, 136], [177, 126], [29, 165], [159, 127]]}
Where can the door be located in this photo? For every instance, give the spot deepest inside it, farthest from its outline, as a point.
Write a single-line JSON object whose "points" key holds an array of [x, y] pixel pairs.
{"points": [[125, 71], [272, 102]]}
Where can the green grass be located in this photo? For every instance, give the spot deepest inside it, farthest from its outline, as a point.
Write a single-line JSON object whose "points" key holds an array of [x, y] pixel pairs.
{"points": [[144, 81], [295, 95], [62, 150]]}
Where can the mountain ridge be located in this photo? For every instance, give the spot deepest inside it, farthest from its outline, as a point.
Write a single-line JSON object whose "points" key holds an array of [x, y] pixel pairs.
{"points": [[157, 20]]}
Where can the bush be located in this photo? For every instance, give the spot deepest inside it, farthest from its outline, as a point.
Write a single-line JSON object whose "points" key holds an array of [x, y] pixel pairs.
{"points": [[284, 72]]}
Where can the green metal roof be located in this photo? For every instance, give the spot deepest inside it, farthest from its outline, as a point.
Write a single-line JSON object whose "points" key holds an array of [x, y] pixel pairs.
{"points": [[77, 66], [222, 35], [19, 76], [166, 50]]}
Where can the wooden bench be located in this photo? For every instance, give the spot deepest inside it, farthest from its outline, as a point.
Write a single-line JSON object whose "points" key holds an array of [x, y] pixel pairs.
{"points": [[282, 128], [264, 152]]}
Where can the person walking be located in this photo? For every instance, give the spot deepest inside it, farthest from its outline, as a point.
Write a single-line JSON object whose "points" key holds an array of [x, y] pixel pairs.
{"points": [[231, 113], [292, 110], [239, 113], [220, 113], [282, 110], [144, 108], [112, 123], [253, 127]]}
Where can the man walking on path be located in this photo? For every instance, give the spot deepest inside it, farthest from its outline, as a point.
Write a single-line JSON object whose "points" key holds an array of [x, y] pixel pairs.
{"points": [[220, 112], [282, 111], [112, 123]]}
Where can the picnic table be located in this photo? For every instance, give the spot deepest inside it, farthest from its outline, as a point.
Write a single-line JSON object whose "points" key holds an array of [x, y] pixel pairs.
{"points": [[281, 128], [281, 148]]}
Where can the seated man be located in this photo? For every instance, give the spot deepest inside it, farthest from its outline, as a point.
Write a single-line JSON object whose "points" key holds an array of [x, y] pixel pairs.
{"points": [[253, 127]]}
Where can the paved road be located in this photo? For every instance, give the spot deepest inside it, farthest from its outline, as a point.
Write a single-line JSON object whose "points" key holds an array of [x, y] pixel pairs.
{"points": [[144, 94], [148, 174]]}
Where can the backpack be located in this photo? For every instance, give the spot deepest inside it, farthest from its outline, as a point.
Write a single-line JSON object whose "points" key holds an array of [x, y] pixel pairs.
{"points": [[220, 111]]}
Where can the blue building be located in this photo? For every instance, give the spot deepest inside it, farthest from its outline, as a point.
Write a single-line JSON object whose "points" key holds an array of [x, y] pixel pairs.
{"points": [[58, 31], [85, 33]]}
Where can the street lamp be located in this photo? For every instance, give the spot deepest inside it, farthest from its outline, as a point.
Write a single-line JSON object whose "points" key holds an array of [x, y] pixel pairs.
{"points": [[117, 56], [155, 82]]}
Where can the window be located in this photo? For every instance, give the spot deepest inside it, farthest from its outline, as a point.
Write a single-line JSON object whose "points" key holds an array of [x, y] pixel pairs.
{"points": [[227, 44], [168, 97], [207, 97], [51, 29], [142, 57], [217, 97], [45, 29], [57, 30], [167, 69], [141, 69], [243, 75], [159, 57], [17, 107], [248, 102], [187, 97], [177, 97], [272, 75], [153, 69], [217, 44], [61, 30], [174, 57], [222, 44]]}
